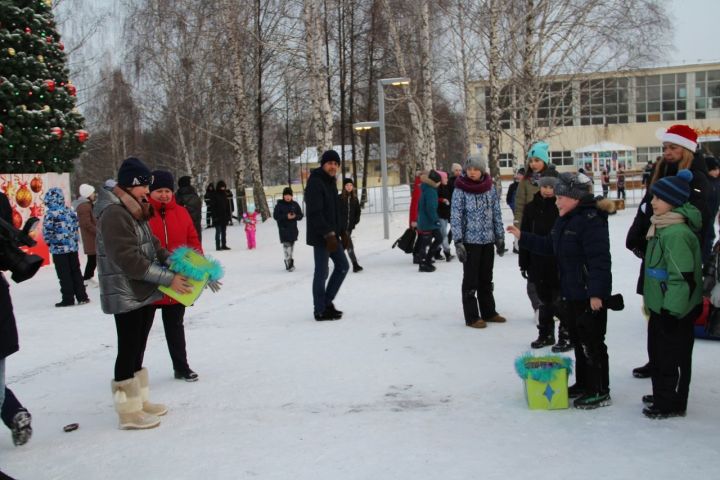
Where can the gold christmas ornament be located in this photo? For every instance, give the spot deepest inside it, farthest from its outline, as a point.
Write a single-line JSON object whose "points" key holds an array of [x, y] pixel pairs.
{"points": [[41, 59], [48, 3], [11, 51], [46, 109]]}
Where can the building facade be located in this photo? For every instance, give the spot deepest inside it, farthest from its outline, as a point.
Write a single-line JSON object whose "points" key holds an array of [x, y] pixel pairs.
{"points": [[606, 120]]}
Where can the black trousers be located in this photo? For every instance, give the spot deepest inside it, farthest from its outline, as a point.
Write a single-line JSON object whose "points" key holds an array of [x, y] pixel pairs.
{"points": [[173, 318], [67, 267], [548, 310], [133, 329], [430, 244], [10, 407], [587, 330], [90, 267], [477, 283], [220, 237], [670, 346]]}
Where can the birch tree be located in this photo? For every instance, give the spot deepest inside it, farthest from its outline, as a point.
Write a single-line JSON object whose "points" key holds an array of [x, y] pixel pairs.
{"points": [[319, 90]]}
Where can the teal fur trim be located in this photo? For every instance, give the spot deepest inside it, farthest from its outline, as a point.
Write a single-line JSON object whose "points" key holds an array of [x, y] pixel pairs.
{"points": [[541, 368], [179, 264]]}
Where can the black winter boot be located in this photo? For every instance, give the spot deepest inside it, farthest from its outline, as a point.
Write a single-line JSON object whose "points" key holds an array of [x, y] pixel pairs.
{"points": [[357, 268], [543, 340], [426, 267]]}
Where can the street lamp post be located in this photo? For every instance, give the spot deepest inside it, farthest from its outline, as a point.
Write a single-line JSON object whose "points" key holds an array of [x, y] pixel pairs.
{"points": [[362, 126]]}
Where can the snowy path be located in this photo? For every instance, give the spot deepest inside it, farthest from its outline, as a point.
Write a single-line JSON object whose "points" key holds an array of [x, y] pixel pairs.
{"points": [[398, 389]]}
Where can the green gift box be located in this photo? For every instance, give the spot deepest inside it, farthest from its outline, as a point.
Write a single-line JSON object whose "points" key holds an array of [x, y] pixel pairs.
{"points": [[545, 380], [198, 269]]}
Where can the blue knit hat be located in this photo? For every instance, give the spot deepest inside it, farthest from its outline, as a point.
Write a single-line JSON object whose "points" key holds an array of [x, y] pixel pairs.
{"points": [[133, 173], [674, 190], [540, 150], [162, 179]]}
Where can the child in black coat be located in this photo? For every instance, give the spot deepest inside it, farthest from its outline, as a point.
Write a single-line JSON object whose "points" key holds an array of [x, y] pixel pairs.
{"points": [[538, 218], [580, 242], [287, 213]]}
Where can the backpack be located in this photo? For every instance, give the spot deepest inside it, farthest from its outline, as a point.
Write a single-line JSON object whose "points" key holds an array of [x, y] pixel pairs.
{"points": [[406, 242]]}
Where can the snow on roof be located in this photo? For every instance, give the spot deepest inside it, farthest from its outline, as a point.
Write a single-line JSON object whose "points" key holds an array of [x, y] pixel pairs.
{"points": [[604, 147]]}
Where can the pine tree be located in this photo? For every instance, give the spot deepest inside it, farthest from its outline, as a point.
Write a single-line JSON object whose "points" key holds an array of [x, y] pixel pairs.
{"points": [[40, 128]]}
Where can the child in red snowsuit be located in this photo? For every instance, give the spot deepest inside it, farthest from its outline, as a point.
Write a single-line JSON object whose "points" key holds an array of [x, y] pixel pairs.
{"points": [[250, 221]]}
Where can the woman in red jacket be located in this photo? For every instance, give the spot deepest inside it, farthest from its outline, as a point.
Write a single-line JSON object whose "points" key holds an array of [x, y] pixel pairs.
{"points": [[172, 225]]}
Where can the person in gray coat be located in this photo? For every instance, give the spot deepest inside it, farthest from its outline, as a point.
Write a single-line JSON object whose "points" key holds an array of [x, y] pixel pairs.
{"points": [[131, 266]]}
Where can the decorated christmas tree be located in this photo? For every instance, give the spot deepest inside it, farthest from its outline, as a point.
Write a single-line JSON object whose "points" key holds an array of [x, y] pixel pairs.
{"points": [[40, 128]]}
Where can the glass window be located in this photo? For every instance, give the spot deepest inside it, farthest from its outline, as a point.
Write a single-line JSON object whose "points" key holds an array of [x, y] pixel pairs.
{"points": [[647, 154], [506, 160], [661, 97], [707, 92], [555, 107], [562, 157], [601, 101]]}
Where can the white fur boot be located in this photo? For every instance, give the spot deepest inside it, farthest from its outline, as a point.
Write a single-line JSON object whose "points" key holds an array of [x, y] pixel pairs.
{"points": [[128, 405], [157, 409]]}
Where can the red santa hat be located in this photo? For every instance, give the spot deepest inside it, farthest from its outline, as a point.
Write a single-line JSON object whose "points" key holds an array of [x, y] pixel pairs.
{"points": [[679, 135]]}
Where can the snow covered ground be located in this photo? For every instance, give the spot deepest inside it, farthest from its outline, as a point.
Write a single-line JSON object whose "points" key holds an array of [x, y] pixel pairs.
{"points": [[398, 389]]}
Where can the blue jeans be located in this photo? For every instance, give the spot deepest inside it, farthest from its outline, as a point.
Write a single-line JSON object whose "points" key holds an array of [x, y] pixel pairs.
{"points": [[325, 294]]}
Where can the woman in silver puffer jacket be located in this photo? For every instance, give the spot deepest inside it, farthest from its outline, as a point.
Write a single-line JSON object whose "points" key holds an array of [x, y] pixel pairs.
{"points": [[131, 266]]}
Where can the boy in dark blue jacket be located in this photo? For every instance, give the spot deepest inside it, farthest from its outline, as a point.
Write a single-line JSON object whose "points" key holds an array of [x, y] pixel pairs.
{"points": [[581, 243]]}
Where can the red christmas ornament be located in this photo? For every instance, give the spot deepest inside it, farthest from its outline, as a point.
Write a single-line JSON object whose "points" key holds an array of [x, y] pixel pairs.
{"points": [[16, 218], [36, 184], [56, 132], [71, 89], [49, 39], [2, 128], [23, 197], [82, 136], [28, 30], [61, 46], [50, 84]]}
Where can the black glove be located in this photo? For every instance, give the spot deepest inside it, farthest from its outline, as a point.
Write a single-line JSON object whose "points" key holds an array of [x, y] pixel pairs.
{"points": [[331, 243], [638, 253], [524, 274], [500, 246], [460, 252], [615, 302]]}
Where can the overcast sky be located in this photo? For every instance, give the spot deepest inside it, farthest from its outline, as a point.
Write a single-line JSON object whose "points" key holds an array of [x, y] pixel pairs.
{"points": [[697, 31]]}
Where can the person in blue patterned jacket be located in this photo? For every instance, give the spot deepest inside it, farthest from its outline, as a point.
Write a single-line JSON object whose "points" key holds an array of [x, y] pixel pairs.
{"points": [[477, 229], [60, 231]]}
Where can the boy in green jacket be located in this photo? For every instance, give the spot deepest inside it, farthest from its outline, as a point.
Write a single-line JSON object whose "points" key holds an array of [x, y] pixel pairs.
{"points": [[672, 292]]}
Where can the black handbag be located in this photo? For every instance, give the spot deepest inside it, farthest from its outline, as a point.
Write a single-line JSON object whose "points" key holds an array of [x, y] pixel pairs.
{"points": [[406, 242]]}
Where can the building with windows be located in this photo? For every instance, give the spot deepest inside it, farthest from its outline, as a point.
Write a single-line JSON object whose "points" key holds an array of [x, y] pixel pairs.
{"points": [[606, 120]]}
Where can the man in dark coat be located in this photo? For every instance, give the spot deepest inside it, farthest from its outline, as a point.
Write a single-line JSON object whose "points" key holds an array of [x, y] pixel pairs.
{"points": [[14, 415], [187, 196], [322, 207], [287, 213], [221, 215], [209, 203]]}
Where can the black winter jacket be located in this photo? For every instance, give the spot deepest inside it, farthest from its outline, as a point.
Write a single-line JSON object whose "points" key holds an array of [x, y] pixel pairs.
{"points": [[700, 198], [349, 212], [287, 228], [188, 198], [322, 207], [221, 212], [581, 243], [8, 328], [444, 193], [539, 218]]}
